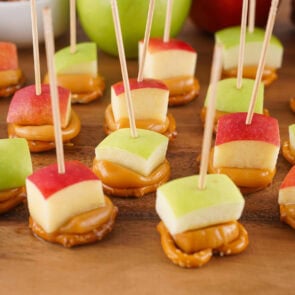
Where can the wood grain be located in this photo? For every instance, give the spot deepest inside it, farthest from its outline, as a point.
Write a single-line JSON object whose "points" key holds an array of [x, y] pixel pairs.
{"points": [[130, 259]]}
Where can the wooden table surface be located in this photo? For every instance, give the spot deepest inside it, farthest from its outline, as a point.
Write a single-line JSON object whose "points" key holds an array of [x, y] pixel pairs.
{"points": [[130, 260]]}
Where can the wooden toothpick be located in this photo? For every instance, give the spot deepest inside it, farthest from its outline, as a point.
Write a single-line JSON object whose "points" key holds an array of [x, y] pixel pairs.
{"points": [[124, 68], [209, 122], [49, 44], [35, 47], [261, 64], [168, 20], [242, 44], [251, 19], [73, 33], [146, 39]]}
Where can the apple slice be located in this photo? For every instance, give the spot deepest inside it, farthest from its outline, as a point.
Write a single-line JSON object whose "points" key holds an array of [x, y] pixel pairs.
{"points": [[161, 59], [230, 99], [54, 198], [229, 38], [27, 108], [246, 146], [142, 154], [182, 206], [15, 163], [292, 137], [8, 56], [83, 61], [150, 100], [287, 189]]}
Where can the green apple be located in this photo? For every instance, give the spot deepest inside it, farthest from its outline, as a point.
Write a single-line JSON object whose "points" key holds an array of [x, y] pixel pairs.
{"points": [[141, 154], [83, 61], [229, 38], [182, 206], [230, 99], [97, 21], [15, 163]]}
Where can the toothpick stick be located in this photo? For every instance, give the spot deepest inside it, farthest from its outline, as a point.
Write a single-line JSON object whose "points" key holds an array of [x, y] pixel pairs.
{"points": [[242, 44], [49, 44], [146, 39], [124, 68], [35, 48], [251, 19], [168, 20], [73, 26], [209, 122], [267, 36]]}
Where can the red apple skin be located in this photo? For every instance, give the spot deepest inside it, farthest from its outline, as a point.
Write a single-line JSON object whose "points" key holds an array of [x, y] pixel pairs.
{"points": [[232, 127], [27, 108], [289, 180], [8, 56], [214, 15], [134, 84], [49, 181], [157, 44]]}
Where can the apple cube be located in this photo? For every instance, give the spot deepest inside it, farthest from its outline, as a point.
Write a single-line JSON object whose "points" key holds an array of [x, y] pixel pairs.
{"points": [[54, 198], [292, 137], [230, 99], [161, 59], [15, 163], [246, 146], [287, 189], [83, 61], [229, 38], [182, 206], [27, 108], [149, 97], [8, 56], [142, 154]]}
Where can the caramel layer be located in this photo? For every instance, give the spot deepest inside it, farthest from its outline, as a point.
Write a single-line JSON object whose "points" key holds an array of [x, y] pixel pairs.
{"points": [[288, 214], [11, 198], [121, 181], [247, 179], [269, 74], [167, 128], [209, 237], [288, 153], [46, 132], [202, 256], [182, 90], [84, 87], [13, 84], [85, 228]]}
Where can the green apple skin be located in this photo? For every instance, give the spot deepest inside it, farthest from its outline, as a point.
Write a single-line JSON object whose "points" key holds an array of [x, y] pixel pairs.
{"points": [[97, 21], [15, 163]]}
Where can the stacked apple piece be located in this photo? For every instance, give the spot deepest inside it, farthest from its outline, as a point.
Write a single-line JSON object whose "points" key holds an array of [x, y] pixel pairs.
{"points": [[288, 147], [11, 76], [16, 165]]}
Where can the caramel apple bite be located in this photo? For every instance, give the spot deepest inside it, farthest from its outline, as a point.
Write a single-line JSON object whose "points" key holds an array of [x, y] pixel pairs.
{"points": [[30, 117], [246, 153], [11, 76], [69, 208], [15, 166], [150, 101], [179, 77], [130, 166], [78, 72], [197, 223]]}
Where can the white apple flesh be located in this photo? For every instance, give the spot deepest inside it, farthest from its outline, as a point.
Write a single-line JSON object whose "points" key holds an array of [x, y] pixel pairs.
{"points": [[149, 98], [161, 59], [246, 146], [54, 198], [142, 154]]}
